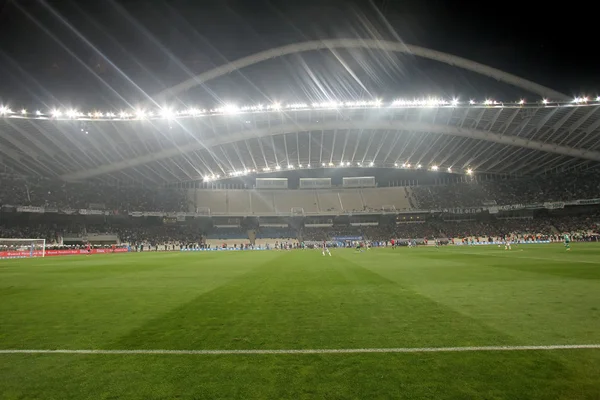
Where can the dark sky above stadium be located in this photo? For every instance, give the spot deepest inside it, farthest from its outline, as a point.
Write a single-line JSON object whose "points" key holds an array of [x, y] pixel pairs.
{"points": [[114, 53]]}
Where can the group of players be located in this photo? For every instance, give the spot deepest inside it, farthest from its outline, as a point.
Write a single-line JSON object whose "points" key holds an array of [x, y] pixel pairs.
{"points": [[361, 246], [366, 245], [509, 241]]}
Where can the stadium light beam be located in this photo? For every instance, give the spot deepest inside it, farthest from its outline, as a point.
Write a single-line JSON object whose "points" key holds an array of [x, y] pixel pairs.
{"points": [[232, 109], [167, 113]]}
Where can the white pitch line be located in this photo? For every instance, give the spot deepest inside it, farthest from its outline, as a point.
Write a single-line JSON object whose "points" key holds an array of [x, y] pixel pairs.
{"points": [[308, 351]]}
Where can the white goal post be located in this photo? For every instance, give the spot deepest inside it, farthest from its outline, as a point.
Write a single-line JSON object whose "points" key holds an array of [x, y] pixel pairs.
{"points": [[22, 248]]}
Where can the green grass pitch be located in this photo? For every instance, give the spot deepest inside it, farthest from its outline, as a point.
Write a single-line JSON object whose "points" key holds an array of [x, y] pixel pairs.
{"points": [[382, 298]]}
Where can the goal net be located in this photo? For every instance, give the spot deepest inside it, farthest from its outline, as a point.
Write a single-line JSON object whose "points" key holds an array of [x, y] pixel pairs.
{"points": [[22, 248]]}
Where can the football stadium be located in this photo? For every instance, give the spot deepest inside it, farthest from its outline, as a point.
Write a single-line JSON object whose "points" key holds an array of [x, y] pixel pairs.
{"points": [[421, 247]]}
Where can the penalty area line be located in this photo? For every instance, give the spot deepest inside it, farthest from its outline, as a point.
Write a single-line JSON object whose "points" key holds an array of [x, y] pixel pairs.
{"points": [[307, 351]]}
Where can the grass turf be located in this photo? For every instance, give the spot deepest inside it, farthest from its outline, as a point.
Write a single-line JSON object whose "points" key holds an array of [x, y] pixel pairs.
{"points": [[424, 297]]}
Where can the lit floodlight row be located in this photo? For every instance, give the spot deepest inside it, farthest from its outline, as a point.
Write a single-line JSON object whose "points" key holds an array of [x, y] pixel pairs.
{"points": [[228, 109], [289, 167]]}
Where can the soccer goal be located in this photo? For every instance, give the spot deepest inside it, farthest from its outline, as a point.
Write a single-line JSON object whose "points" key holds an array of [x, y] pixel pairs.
{"points": [[22, 248]]}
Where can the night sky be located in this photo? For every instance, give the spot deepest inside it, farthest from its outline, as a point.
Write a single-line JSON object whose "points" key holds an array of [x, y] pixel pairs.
{"points": [[116, 53]]}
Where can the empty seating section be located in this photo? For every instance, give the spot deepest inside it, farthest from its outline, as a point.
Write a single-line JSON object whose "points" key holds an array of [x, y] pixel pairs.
{"points": [[351, 200], [372, 199], [305, 199], [376, 199], [216, 200], [265, 202], [262, 202], [238, 201], [329, 201], [402, 199]]}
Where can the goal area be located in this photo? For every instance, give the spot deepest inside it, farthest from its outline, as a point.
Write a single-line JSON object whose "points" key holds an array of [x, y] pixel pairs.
{"points": [[22, 248]]}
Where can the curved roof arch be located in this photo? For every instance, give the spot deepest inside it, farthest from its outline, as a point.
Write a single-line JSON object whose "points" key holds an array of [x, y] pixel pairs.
{"points": [[375, 125], [365, 44]]}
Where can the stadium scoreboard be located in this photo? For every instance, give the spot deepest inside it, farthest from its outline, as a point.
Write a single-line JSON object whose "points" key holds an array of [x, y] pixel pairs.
{"points": [[315, 183], [271, 183], [359, 182]]}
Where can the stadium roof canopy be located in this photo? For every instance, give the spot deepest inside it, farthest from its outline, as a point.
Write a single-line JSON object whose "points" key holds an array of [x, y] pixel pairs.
{"points": [[166, 146]]}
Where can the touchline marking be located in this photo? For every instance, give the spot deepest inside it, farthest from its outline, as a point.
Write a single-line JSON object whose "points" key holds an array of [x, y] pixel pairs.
{"points": [[309, 351]]}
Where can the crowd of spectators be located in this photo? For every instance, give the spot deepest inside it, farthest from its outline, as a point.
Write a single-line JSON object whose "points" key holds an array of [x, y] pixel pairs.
{"points": [[30, 232], [39, 192], [227, 233], [544, 188], [548, 226], [276, 233], [162, 234], [577, 223], [436, 228], [494, 228], [326, 233]]}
